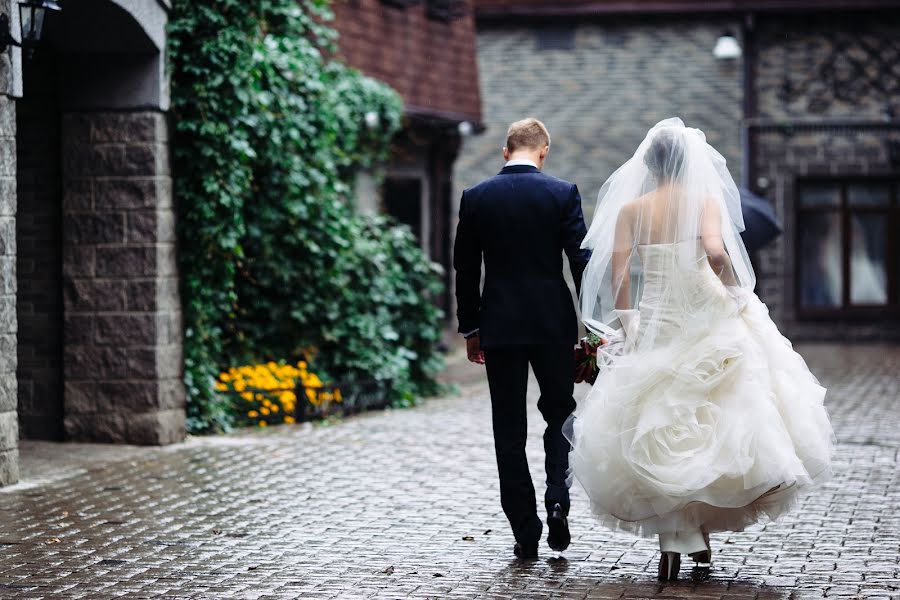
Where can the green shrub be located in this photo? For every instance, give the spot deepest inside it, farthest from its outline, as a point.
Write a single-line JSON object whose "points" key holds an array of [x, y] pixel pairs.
{"points": [[269, 133]]}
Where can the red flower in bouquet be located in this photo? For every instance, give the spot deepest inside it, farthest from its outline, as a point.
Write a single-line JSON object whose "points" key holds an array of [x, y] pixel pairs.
{"points": [[586, 368]]}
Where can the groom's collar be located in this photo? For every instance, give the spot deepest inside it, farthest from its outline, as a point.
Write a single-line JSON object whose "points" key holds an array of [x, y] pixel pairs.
{"points": [[519, 166], [519, 162]]}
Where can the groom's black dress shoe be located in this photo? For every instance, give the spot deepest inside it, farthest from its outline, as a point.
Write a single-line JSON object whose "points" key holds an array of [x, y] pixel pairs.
{"points": [[526, 552], [559, 536]]}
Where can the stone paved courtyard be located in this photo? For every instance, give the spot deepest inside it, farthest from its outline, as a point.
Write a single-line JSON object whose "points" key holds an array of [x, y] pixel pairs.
{"points": [[406, 504]]}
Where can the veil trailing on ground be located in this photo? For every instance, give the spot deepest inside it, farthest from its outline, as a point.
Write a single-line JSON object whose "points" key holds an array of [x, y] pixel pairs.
{"points": [[677, 191]]}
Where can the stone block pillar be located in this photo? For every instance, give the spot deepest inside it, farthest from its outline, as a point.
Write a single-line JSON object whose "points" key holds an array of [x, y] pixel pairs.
{"points": [[122, 326], [9, 422]]}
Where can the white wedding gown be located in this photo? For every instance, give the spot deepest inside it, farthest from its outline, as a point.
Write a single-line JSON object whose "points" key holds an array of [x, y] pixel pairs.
{"points": [[711, 421]]}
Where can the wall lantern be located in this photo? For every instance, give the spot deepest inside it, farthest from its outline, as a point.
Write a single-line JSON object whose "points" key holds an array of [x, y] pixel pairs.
{"points": [[31, 20], [727, 47]]}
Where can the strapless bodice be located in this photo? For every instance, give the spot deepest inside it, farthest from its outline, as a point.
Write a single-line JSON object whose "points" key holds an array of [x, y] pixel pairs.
{"points": [[678, 287]]}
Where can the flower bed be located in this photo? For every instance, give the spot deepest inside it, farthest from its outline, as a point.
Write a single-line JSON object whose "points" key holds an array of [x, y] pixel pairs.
{"points": [[273, 393]]}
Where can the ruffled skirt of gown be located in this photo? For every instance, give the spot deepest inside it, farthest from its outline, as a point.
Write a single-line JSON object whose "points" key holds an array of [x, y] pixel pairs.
{"points": [[716, 426]]}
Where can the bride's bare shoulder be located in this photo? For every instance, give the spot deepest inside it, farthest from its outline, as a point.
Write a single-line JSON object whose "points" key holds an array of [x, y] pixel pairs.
{"points": [[634, 206]]}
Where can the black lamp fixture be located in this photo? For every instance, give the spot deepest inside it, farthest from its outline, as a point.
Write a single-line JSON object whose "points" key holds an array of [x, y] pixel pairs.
{"points": [[31, 20]]}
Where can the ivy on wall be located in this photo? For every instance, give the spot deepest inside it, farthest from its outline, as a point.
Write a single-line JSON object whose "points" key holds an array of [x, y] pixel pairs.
{"points": [[269, 133]]}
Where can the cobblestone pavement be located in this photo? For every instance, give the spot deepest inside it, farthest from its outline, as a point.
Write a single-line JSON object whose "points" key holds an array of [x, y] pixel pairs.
{"points": [[406, 504]]}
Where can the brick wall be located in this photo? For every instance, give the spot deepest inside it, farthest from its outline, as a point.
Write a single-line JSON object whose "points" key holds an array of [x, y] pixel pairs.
{"points": [[39, 260], [430, 62], [123, 360], [600, 98], [804, 76]]}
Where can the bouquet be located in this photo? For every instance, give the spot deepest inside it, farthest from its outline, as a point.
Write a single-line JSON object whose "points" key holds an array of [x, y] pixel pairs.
{"points": [[586, 368]]}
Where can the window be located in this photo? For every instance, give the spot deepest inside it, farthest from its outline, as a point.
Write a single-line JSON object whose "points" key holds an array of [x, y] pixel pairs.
{"points": [[446, 10], [848, 239], [401, 3], [436, 10], [403, 201]]}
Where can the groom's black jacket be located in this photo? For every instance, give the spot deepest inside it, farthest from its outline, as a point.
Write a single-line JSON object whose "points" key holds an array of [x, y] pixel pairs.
{"points": [[520, 221]]}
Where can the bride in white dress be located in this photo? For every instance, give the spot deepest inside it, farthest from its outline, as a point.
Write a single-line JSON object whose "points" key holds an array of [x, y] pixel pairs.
{"points": [[703, 418]]}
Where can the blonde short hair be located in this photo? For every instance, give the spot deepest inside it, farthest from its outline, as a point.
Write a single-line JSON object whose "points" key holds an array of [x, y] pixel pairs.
{"points": [[527, 133]]}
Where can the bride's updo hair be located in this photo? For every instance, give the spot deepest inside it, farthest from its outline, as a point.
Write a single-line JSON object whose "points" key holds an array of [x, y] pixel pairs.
{"points": [[665, 156]]}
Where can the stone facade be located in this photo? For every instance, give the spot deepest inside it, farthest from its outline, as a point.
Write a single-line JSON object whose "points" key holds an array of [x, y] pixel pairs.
{"points": [[599, 86], [828, 98], [90, 315], [824, 100], [9, 428], [123, 360]]}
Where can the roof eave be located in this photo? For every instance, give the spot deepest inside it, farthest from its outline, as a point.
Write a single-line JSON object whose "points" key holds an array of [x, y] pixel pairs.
{"points": [[625, 7], [441, 117]]}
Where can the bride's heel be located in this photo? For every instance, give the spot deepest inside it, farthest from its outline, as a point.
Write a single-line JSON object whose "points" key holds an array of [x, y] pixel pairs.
{"points": [[669, 564], [703, 556]]}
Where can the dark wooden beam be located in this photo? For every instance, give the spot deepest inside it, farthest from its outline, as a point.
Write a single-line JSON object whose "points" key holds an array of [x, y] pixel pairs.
{"points": [[493, 11]]}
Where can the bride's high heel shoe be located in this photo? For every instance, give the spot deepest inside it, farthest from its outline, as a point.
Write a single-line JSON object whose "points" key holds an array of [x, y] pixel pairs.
{"points": [[669, 564], [703, 556]]}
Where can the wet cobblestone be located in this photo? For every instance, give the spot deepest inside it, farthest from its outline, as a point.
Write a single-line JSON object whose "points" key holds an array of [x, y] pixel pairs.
{"points": [[406, 504]]}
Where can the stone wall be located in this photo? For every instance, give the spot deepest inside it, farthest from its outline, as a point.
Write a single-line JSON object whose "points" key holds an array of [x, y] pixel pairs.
{"points": [[599, 97], [9, 427], [600, 83], [123, 359], [819, 116]]}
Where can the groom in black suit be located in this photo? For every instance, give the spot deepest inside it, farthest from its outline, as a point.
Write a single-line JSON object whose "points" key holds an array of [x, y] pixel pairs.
{"points": [[520, 222]]}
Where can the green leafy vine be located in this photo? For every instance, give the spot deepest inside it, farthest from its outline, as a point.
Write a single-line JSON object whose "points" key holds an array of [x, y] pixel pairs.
{"points": [[269, 134]]}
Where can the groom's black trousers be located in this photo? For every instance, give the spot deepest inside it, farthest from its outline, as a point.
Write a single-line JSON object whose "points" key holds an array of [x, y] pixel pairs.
{"points": [[507, 371]]}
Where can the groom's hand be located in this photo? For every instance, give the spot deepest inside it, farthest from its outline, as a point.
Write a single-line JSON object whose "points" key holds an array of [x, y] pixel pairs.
{"points": [[473, 349]]}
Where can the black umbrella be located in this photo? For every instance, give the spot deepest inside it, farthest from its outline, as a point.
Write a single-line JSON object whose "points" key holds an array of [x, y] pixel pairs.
{"points": [[761, 224]]}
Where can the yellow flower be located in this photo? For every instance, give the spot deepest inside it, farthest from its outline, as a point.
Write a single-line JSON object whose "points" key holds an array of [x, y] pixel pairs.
{"points": [[272, 386], [262, 423], [337, 395]]}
